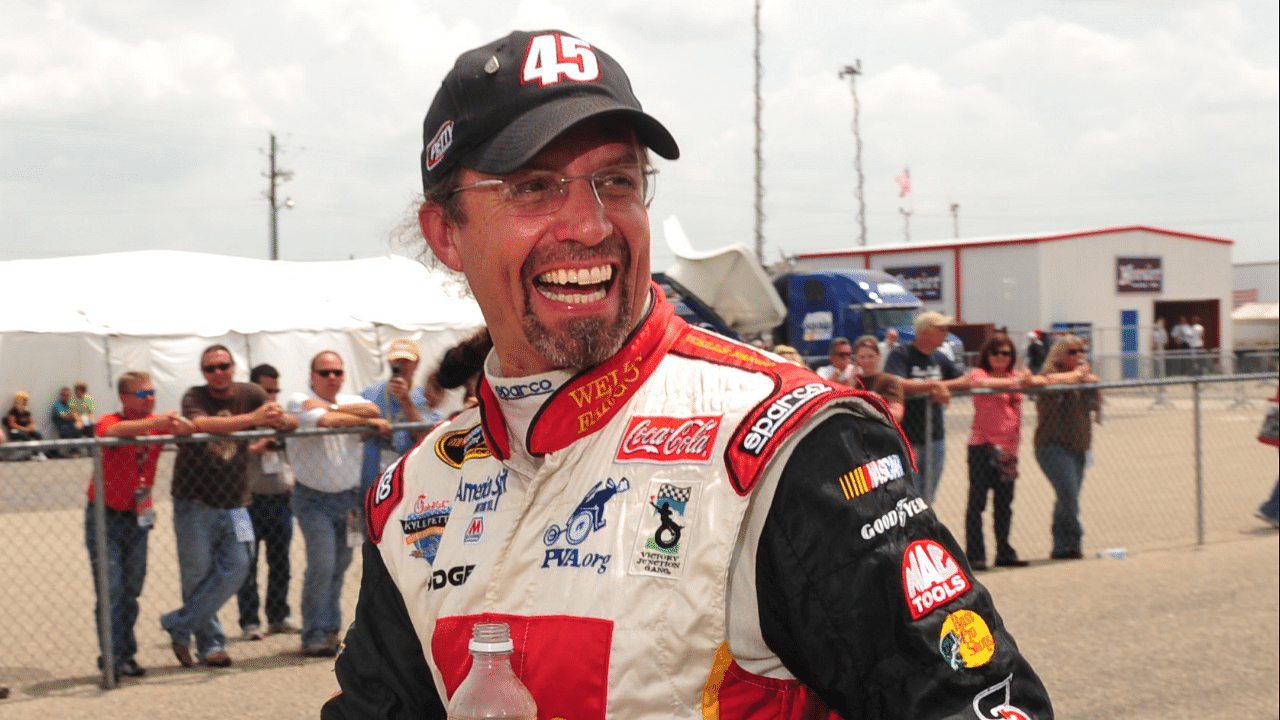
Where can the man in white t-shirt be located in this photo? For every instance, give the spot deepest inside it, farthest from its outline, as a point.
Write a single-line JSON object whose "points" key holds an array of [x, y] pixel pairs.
{"points": [[326, 495], [842, 368]]}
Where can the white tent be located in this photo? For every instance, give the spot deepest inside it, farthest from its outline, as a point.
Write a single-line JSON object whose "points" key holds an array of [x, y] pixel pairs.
{"points": [[94, 317]]}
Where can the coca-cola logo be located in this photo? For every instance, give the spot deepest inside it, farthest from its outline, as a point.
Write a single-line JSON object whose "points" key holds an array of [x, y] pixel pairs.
{"points": [[669, 439]]}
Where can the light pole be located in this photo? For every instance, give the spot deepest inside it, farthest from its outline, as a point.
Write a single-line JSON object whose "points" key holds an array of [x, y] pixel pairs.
{"points": [[759, 140], [852, 72], [274, 178], [955, 219]]}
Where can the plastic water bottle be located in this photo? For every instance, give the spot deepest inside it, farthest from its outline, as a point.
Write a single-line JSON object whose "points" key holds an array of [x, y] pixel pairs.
{"points": [[491, 689], [1117, 553]]}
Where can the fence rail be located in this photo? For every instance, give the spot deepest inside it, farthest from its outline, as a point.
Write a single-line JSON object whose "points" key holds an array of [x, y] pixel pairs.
{"points": [[1176, 462]]}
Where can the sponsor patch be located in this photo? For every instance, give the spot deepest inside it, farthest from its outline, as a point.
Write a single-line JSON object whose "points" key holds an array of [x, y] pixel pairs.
{"points": [[864, 479], [930, 577], [656, 439], [516, 391], [484, 494], [439, 144], [966, 641], [475, 529], [993, 703], [897, 517], [454, 576], [422, 531], [458, 446], [662, 541], [587, 517], [777, 414]]}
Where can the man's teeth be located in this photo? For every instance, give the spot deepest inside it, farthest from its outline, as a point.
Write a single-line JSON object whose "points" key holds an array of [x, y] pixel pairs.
{"points": [[554, 284], [575, 276]]}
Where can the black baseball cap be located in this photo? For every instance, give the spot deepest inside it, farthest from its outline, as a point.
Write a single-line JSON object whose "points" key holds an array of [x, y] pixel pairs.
{"points": [[504, 102]]}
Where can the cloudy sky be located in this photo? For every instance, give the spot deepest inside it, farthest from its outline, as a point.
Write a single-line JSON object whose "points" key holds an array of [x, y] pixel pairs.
{"points": [[138, 124]]}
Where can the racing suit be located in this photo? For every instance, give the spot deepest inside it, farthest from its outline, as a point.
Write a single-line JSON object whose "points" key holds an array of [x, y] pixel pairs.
{"points": [[693, 529]]}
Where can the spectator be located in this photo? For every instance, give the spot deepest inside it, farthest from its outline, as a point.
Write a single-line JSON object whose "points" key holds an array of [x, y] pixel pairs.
{"points": [[1036, 350], [841, 369], [1195, 344], [210, 491], [271, 484], [649, 505], [398, 400], [887, 345], [1269, 511], [68, 425], [1159, 341], [789, 353], [993, 449], [1180, 341], [928, 377], [866, 353], [1063, 437], [326, 496], [20, 427], [81, 403], [128, 475]]}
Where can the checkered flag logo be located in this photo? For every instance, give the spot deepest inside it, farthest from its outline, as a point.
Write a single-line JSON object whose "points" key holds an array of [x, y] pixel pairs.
{"points": [[678, 494]]}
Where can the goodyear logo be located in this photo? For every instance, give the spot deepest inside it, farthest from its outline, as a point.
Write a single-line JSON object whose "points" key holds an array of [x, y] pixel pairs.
{"points": [[864, 479]]}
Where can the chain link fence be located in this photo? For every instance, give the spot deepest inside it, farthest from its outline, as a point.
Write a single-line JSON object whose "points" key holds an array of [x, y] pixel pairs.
{"points": [[1173, 463]]}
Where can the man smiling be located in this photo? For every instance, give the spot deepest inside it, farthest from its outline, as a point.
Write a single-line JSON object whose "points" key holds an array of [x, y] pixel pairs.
{"points": [[674, 525]]}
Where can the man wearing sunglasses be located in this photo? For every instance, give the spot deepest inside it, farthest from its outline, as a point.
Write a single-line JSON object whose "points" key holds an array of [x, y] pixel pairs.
{"points": [[326, 495], [674, 525], [128, 475], [210, 494]]}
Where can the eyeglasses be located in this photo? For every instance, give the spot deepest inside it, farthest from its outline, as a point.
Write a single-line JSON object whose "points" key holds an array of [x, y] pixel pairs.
{"points": [[539, 192], [328, 373], [272, 391], [220, 367], [1005, 353], [1075, 351], [842, 354], [144, 394]]}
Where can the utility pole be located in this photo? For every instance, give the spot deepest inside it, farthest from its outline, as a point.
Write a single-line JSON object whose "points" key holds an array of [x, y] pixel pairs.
{"points": [[955, 219], [906, 223], [852, 72], [275, 178], [759, 140]]}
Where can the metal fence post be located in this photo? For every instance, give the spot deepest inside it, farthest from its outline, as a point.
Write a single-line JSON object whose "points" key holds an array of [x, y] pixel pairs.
{"points": [[1195, 397], [105, 631]]}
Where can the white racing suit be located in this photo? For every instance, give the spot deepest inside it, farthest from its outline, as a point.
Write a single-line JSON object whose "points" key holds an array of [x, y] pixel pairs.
{"points": [[694, 529]]}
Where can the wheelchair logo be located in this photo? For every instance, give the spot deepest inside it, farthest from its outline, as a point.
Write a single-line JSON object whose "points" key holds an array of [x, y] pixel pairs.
{"points": [[588, 515]]}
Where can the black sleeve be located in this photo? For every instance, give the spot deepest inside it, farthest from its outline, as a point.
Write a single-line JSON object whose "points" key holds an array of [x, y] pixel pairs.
{"points": [[842, 536], [381, 669]]}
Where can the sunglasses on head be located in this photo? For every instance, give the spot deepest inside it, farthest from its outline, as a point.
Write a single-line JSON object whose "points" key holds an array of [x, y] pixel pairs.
{"points": [[144, 394], [215, 368], [328, 373]]}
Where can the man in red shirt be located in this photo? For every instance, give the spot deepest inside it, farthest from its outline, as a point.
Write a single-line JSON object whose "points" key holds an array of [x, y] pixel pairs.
{"points": [[128, 474]]}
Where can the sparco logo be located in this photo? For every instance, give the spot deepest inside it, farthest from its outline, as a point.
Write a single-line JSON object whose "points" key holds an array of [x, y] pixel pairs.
{"points": [[777, 413], [907, 508], [669, 440], [439, 144], [454, 576]]}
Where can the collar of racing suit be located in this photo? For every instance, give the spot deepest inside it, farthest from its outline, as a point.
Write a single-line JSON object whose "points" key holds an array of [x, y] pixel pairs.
{"points": [[591, 398]]}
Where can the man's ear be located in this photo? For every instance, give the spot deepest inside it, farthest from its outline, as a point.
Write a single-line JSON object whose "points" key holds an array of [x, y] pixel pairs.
{"points": [[441, 235]]}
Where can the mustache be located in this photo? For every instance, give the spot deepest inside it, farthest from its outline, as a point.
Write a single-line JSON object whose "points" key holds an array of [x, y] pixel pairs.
{"points": [[610, 249]]}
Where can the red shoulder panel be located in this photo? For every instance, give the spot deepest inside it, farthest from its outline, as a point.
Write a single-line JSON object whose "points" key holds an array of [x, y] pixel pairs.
{"points": [[797, 394], [382, 498]]}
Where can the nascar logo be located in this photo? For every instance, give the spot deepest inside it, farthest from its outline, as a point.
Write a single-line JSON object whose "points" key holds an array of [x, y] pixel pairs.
{"points": [[864, 479]]}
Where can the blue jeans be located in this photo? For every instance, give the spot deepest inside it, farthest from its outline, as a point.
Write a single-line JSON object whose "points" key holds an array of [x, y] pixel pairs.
{"points": [[1065, 470], [213, 563], [927, 480], [272, 525], [126, 571], [322, 518]]}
